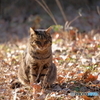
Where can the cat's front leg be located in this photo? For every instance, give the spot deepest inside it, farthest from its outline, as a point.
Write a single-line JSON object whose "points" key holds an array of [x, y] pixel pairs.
{"points": [[43, 75], [33, 74]]}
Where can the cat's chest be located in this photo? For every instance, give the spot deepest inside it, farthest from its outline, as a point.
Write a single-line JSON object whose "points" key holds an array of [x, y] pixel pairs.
{"points": [[41, 62], [36, 61]]}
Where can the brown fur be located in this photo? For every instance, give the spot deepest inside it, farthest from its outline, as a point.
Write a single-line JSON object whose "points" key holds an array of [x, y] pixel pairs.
{"points": [[36, 65]]}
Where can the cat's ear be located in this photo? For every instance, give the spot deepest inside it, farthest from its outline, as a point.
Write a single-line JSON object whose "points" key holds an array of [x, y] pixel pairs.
{"points": [[48, 30], [32, 32]]}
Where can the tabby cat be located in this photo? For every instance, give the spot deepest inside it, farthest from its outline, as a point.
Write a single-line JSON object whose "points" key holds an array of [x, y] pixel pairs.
{"points": [[36, 65]]}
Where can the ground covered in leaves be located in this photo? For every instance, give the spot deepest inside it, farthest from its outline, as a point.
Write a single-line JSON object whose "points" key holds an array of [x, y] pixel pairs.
{"points": [[77, 57]]}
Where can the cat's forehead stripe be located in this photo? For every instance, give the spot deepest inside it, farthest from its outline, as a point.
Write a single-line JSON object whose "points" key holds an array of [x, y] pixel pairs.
{"points": [[39, 30], [41, 33]]}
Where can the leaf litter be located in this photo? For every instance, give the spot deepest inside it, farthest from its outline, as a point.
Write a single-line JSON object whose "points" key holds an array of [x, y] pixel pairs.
{"points": [[77, 58]]}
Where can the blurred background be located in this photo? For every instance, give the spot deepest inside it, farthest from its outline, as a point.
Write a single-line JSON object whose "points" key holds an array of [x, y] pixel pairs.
{"points": [[16, 16]]}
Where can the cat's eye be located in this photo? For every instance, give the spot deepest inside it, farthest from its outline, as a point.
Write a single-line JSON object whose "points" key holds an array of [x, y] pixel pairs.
{"points": [[46, 42], [38, 42], [31, 42]]}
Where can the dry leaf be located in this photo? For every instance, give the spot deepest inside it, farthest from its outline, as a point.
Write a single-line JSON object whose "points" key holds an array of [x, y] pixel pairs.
{"points": [[90, 77], [36, 88], [86, 97], [61, 79]]}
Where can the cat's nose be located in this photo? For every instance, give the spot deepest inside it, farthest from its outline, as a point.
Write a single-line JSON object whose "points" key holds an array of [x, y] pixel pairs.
{"points": [[38, 80], [42, 44]]}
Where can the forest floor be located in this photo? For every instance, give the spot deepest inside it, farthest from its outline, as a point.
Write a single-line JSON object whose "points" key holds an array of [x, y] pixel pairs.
{"points": [[78, 68], [76, 55]]}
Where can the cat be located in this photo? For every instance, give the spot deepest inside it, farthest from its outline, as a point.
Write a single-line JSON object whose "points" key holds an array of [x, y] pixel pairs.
{"points": [[36, 65]]}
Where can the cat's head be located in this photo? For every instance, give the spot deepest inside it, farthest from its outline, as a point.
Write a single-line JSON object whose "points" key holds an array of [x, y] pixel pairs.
{"points": [[40, 39]]}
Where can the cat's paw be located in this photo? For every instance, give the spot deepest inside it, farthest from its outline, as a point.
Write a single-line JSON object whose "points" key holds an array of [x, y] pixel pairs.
{"points": [[15, 84]]}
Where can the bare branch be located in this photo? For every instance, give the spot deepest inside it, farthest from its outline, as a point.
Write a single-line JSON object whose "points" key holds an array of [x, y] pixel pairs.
{"points": [[98, 10], [46, 8], [61, 9]]}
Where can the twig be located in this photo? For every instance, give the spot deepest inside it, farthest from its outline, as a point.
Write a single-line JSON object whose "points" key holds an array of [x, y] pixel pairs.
{"points": [[98, 10], [67, 24], [72, 21], [61, 9], [15, 95], [47, 10]]}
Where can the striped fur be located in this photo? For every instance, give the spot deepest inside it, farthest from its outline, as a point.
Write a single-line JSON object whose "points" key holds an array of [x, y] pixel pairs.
{"points": [[36, 65]]}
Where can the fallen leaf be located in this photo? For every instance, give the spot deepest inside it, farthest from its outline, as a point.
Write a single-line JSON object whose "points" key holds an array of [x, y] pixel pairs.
{"points": [[36, 88], [86, 97], [61, 79], [91, 77]]}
